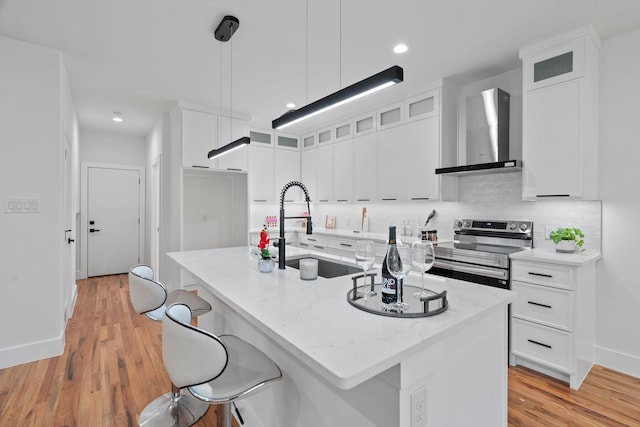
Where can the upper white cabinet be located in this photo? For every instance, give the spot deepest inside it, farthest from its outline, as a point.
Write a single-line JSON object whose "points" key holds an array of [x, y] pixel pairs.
{"points": [[343, 170], [261, 166], [199, 136], [287, 166], [308, 173], [560, 123], [324, 172], [408, 153], [287, 169], [392, 154], [364, 167], [423, 147], [230, 130], [389, 154]]}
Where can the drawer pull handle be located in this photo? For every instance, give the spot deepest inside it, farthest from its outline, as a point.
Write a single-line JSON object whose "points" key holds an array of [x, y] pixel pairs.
{"points": [[538, 304], [318, 247], [346, 244], [539, 343], [541, 275], [311, 240]]}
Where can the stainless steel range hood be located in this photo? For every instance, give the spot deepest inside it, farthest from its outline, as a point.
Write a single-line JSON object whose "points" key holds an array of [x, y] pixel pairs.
{"points": [[487, 135]]}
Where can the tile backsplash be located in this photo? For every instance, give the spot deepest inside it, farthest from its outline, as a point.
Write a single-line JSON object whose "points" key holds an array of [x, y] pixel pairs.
{"points": [[495, 197]]}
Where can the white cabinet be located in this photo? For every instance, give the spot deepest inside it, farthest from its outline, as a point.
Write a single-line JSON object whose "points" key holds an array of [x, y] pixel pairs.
{"points": [[343, 170], [287, 166], [312, 241], [365, 167], [560, 117], [422, 159], [392, 153], [324, 172], [309, 169], [287, 169], [341, 246], [261, 173], [553, 319], [199, 136], [230, 130]]}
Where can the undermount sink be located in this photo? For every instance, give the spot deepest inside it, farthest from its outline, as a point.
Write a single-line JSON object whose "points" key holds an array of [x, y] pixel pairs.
{"points": [[326, 268]]}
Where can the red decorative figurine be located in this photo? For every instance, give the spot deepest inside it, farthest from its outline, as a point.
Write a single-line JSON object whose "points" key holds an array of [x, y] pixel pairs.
{"points": [[264, 243]]}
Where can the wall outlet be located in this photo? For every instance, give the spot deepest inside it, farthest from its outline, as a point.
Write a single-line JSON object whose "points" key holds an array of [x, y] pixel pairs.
{"points": [[419, 408], [547, 230]]}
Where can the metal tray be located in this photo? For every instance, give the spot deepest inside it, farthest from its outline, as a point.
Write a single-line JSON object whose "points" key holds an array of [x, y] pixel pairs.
{"points": [[431, 305]]}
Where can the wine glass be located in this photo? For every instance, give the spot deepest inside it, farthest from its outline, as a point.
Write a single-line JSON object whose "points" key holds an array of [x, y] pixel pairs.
{"points": [[365, 257], [399, 265], [422, 256]]}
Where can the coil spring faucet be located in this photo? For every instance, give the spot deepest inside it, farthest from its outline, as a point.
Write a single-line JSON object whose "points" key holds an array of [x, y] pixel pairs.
{"points": [[281, 242]]}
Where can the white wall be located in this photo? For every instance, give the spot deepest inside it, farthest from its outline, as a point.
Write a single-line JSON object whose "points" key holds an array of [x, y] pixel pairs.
{"points": [[33, 108], [112, 147], [618, 316]]}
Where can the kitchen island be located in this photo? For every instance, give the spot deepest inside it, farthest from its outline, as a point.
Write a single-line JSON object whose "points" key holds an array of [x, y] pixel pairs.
{"points": [[344, 366]]}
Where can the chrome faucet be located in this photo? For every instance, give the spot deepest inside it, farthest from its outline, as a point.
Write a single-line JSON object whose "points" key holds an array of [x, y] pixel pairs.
{"points": [[281, 242]]}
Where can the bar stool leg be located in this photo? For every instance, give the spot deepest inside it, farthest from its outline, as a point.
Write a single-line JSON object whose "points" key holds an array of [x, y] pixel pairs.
{"points": [[173, 409]]}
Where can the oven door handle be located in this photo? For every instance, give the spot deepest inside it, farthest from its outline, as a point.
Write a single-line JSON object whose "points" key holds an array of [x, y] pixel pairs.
{"points": [[490, 272]]}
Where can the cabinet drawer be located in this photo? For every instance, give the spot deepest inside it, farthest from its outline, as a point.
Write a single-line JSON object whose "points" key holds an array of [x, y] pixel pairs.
{"points": [[543, 274], [311, 241], [549, 306], [341, 244], [541, 344]]}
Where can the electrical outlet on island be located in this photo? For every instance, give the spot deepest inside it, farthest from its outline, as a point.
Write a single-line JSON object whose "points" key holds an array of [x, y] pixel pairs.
{"points": [[419, 408]]}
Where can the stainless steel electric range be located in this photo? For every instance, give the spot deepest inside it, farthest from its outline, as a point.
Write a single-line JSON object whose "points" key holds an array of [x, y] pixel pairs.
{"points": [[480, 250]]}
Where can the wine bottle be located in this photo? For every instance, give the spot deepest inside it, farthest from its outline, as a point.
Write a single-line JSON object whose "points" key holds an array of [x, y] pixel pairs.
{"points": [[388, 281]]}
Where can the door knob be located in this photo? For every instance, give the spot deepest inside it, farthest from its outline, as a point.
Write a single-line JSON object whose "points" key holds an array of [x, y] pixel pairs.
{"points": [[70, 240], [93, 230]]}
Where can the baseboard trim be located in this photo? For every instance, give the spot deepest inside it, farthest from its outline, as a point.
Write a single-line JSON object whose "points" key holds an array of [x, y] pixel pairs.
{"points": [[618, 361], [31, 352], [72, 304]]}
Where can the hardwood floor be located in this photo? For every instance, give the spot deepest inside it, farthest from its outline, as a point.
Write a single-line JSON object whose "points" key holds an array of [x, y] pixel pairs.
{"points": [[112, 367]]}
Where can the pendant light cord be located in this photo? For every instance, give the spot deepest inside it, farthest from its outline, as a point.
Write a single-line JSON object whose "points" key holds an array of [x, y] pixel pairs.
{"points": [[340, 58], [306, 47]]}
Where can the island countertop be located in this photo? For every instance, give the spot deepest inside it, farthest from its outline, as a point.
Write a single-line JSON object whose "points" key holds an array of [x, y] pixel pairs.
{"points": [[315, 323]]}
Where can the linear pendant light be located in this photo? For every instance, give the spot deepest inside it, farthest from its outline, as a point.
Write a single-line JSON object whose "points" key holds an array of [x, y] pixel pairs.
{"points": [[223, 33], [245, 140], [372, 84]]}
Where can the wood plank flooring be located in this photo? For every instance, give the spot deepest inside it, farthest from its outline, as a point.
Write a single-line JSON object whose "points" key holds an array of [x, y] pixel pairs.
{"points": [[112, 367]]}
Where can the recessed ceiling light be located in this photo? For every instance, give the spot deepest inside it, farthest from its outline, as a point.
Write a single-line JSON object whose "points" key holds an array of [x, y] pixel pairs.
{"points": [[291, 105], [400, 48], [117, 117]]}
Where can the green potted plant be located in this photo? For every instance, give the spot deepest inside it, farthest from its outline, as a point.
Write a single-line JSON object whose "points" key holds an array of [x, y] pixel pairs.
{"points": [[566, 239]]}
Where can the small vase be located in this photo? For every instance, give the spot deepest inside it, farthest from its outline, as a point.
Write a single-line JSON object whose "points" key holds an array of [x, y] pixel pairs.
{"points": [[566, 246], [265, 265]]}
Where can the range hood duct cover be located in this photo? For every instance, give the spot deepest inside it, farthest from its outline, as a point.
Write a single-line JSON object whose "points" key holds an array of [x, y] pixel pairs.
{"points": [[487, 135]]}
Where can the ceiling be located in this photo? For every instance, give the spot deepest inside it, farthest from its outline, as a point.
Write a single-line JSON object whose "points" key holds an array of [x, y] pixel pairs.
{"points": [[140, 57]]}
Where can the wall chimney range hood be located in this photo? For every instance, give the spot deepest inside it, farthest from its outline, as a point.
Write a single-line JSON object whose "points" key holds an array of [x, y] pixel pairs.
{"points": [[487, 140]]}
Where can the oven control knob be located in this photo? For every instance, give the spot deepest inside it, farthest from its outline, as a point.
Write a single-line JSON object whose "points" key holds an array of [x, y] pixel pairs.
{"points": [[467, 223], [523, 227], [458, 224], [512, 226]]}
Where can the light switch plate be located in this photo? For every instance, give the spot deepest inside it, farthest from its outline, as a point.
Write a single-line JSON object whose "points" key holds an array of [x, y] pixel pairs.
{"points": [[21, 205]]}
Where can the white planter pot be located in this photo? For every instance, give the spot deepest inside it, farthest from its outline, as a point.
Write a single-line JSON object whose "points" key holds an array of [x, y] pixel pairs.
{"points": [[567, 246]]}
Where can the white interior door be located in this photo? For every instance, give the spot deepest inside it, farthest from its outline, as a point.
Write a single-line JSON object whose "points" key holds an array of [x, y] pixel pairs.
{"points": [[113, 220]]}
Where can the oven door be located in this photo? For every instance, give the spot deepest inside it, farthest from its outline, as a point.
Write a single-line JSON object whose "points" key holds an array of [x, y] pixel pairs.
{"points": [[491, 276]]}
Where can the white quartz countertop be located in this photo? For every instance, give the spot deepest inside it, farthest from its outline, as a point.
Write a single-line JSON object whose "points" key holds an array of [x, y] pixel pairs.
{"points": [[550, 256], [316, 324]]}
